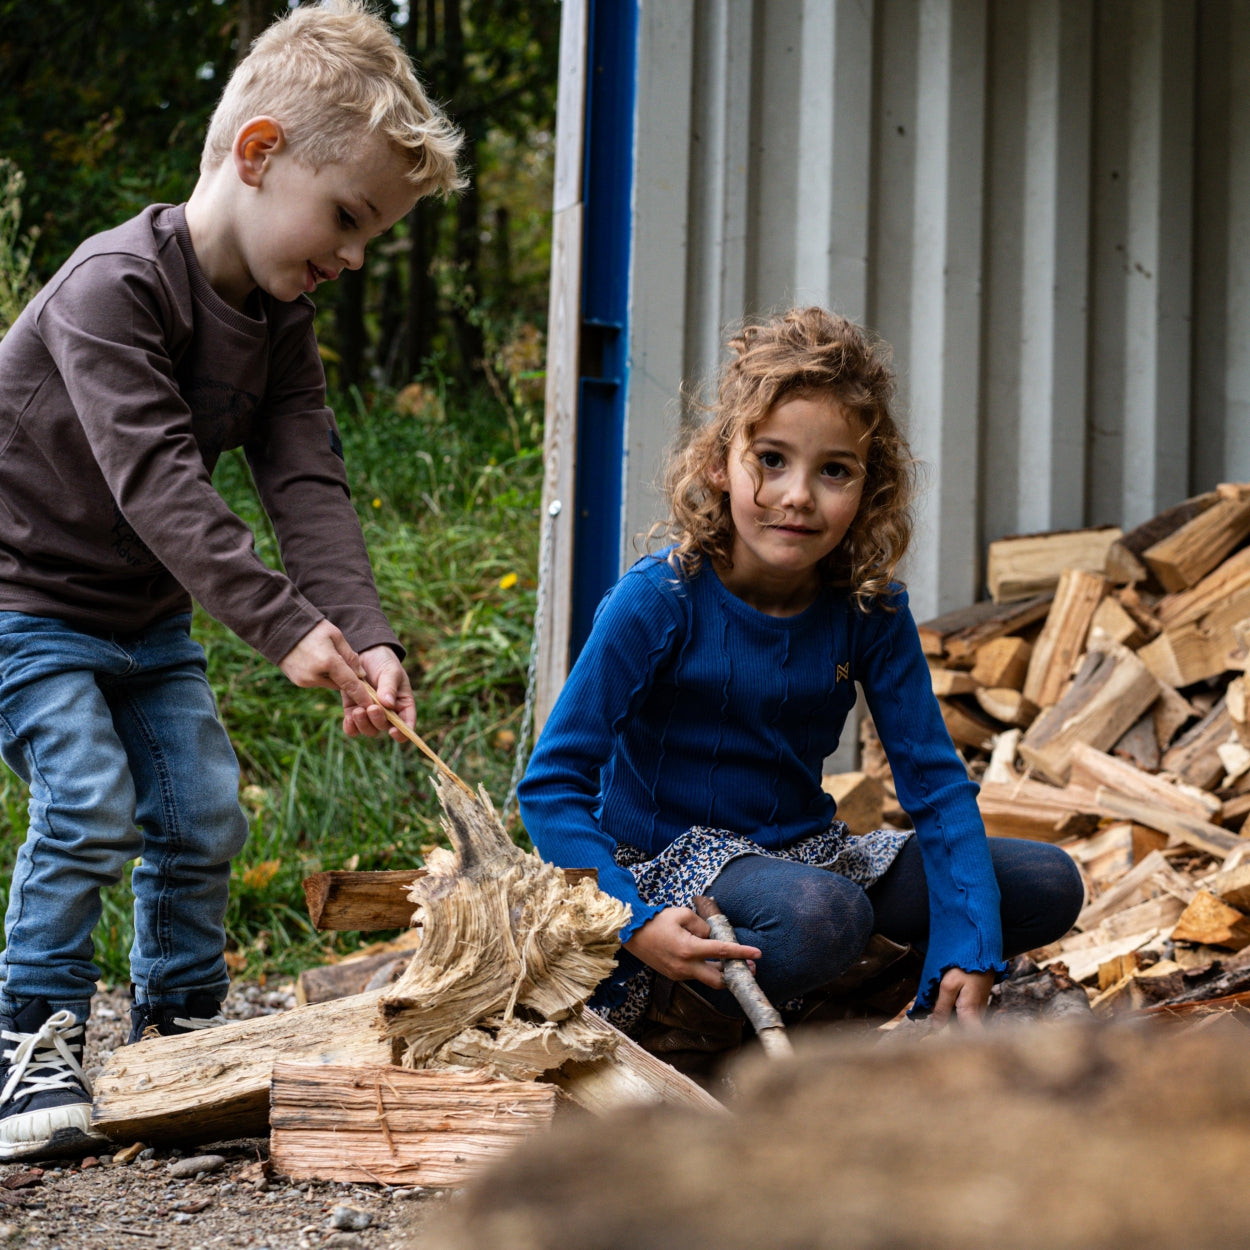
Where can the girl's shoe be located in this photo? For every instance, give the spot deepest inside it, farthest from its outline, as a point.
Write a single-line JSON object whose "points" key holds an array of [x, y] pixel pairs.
{"points": [[45, 1098]]}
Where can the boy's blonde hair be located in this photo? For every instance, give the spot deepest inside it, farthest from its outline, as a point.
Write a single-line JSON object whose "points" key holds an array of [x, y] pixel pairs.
{"points": [[805, 352], [327, 73]]}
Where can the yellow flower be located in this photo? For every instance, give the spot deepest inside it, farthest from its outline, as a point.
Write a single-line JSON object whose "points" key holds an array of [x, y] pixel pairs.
{"points": [[377, 503], [257, 876], [507, 581]]}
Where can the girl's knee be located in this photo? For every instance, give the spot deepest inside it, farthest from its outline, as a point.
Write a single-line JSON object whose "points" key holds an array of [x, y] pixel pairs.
{"points": [[830, 926], [1067, 888], [1042, 897]]}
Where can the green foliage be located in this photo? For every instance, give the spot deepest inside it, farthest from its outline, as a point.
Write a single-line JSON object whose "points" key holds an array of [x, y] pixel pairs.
{"points": [[104, 105], [17, 285]]}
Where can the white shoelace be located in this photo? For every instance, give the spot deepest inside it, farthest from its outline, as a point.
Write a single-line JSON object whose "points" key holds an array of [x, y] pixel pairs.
{"points": [[43, 1061], [199, 1022], [185, 1022]]}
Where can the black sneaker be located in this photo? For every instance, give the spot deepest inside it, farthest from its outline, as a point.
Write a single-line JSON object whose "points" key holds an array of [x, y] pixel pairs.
{"points": [[45, 1100], [200, 1010]]}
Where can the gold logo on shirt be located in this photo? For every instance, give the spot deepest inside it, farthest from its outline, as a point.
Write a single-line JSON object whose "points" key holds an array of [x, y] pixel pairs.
{"points": [[844, 672]]}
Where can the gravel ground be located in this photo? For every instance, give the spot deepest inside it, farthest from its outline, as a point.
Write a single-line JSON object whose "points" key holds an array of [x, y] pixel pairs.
{"points": [[161, 1198]]}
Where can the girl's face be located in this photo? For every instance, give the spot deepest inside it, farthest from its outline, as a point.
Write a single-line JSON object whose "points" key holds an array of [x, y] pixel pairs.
{"points": [[793, 490]]}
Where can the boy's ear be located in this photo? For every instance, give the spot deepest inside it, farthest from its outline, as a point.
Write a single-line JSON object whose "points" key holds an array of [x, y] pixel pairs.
{"points": [[256, 142], [718, 475]]}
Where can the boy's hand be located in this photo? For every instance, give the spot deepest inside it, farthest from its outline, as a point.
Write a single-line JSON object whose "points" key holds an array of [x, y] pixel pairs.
{"points": [[323, 658], [386, 675], [963, 996], [676, 944]]}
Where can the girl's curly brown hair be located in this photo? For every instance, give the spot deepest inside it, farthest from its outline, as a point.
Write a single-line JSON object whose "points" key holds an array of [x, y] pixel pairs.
{"points": [[801, 353]]}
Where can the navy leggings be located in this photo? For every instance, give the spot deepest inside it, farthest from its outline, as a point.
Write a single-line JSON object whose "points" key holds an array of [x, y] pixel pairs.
{"points": [[811, 924]]}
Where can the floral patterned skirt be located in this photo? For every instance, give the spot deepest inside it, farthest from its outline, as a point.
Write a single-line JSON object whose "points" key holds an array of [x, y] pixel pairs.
{"points": [[688, 866]]}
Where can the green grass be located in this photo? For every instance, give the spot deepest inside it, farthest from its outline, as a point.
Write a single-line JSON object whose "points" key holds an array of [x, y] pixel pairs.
{"points": [[449, 506]]}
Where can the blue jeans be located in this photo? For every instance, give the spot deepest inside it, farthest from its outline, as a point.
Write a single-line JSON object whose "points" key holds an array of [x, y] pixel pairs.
{"points": [[811, 924], [118, 738]]}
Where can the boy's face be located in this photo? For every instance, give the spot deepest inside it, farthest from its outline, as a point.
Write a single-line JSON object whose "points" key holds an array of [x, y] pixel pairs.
{"points": [[302, 226]]}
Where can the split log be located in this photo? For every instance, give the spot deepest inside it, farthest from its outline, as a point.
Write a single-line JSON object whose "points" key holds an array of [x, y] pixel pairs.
{"points": [[1194, 549], [860, 800], [1103, 857], [368, 901], [1001, 769], [1029, 564], [1224, 978], [1195, 755], [1002, 662], [1231, 886], [1007, 705], [1113, 621], [1234, 812], [1211, 922], [1149, 879], [510, 953], [1138, 746], [354, 975], [1040, 813], [629, 1077], [966, 726], [1084, 957], [1170, 714], [1111, 690], [959, 634], [1124, 559], [213, 1084], [951, 681], [1064, 635], [1197, 833], [1143, 614], [1092, 768], [394, 1126], [1223, 583], [1203, 648], [347, 901]]}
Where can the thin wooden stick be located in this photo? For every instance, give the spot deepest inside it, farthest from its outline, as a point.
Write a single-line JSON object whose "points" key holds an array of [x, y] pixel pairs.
{"points": [[416, 739], [741, 983]]}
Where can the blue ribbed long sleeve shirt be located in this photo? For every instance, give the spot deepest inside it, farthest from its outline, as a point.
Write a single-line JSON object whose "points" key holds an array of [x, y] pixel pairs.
{"points": [[689, 707]]}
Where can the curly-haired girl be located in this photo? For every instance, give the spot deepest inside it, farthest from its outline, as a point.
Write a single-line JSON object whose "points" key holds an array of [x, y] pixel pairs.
{"points": [[685, 752]]}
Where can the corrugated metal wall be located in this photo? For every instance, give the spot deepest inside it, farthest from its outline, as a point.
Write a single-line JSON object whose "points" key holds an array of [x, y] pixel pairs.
{"points": [[1044, 205]]}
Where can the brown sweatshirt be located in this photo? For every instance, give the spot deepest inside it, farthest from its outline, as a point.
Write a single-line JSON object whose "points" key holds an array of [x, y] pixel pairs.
{"points": [[121, 384]]}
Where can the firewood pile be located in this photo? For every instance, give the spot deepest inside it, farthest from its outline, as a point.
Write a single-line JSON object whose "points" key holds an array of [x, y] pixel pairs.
{"points": [[1099, 696]]}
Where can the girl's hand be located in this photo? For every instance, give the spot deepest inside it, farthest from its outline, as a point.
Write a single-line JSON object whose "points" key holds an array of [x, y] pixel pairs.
{"points": [[963, 995], [676, 944]]}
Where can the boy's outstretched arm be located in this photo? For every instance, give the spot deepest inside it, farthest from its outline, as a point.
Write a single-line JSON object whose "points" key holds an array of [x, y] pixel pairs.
{"points": [[324, 658]]}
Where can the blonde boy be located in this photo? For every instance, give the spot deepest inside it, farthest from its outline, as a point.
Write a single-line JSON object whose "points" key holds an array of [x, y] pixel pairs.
{"points": [[159, 344]]}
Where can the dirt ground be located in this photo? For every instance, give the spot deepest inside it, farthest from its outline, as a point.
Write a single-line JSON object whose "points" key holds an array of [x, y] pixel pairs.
{"points": [[226, 1202]]}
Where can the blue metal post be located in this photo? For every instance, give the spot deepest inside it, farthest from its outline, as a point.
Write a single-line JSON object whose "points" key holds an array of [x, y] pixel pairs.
{"points": [[604, 368]]}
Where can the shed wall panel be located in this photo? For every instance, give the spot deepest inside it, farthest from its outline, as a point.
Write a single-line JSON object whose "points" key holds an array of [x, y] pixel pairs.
{"points": [[1044, 205]]}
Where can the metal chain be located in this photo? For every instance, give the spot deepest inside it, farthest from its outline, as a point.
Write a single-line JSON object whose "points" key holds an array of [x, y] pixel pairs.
{"points": [[545, 549]]}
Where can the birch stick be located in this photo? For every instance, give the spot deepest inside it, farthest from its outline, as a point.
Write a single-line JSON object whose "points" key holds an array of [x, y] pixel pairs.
{"points": [[741, 983]]}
